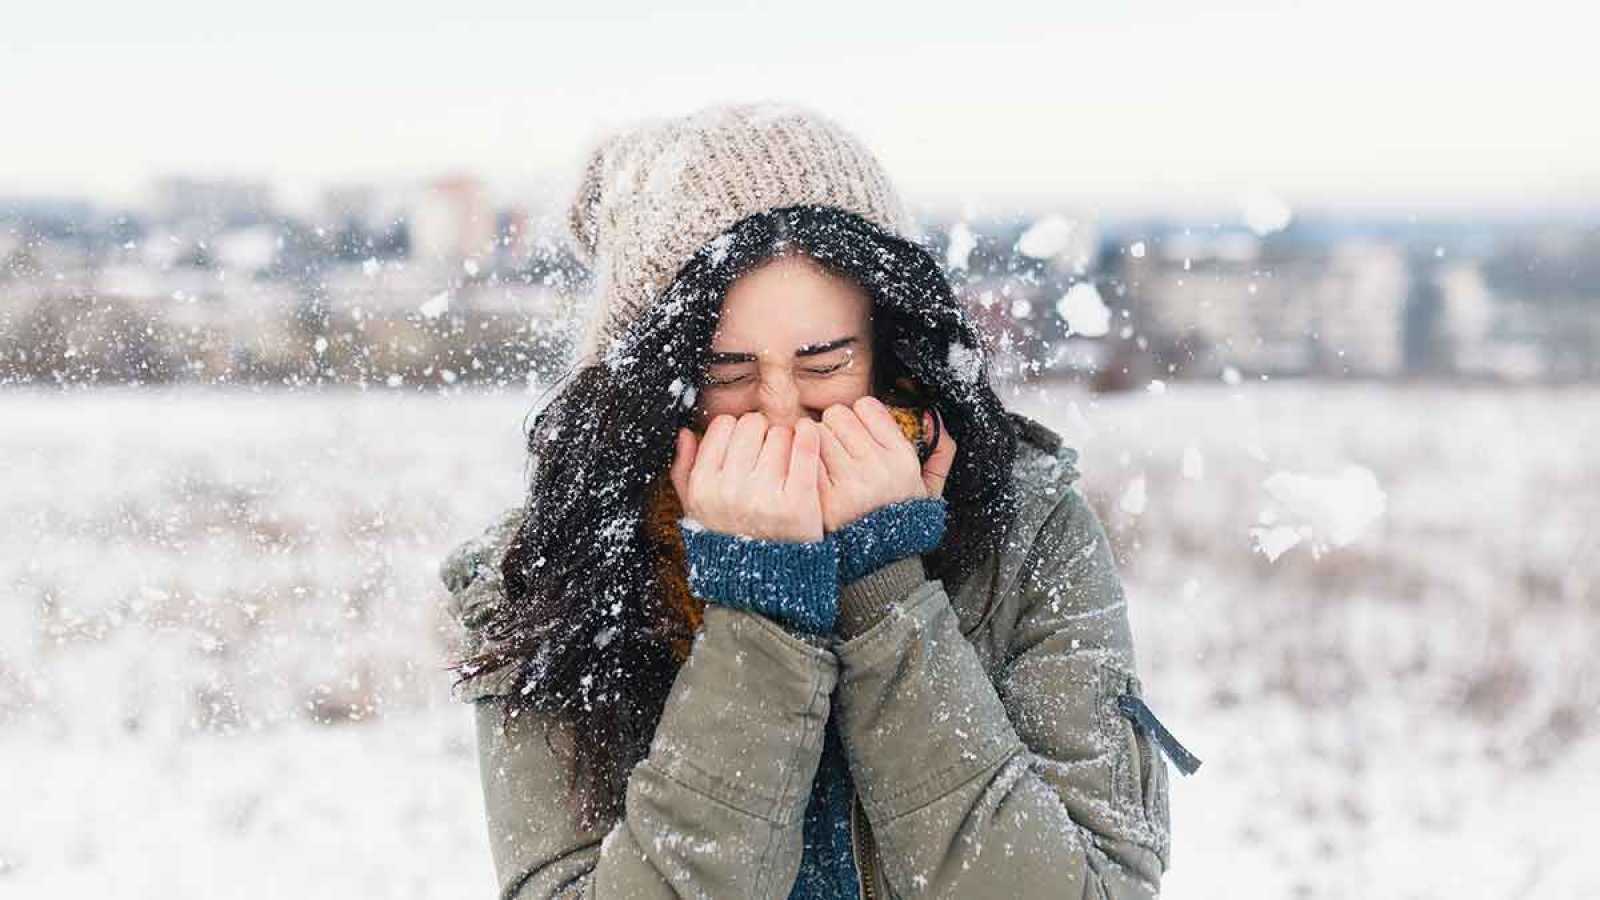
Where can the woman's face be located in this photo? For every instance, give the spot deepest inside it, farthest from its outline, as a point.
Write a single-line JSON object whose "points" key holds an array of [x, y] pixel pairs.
{"points": [[792, 340]]}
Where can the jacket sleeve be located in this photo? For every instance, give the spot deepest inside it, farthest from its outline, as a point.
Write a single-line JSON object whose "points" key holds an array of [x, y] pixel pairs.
{"points": [[716, 807], [1030, 784]]}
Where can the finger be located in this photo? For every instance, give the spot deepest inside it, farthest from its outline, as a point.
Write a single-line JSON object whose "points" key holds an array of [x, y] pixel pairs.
{"points": [[842, 421], [880, 423], [805, 460], [774, 459], [745, 444], [714, 445], [835, 458], [684, 454], [825, 483], [936, 471]]}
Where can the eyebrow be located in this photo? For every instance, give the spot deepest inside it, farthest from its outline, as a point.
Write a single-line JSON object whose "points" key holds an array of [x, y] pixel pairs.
{"points": [[722, 358], [825, 346]]}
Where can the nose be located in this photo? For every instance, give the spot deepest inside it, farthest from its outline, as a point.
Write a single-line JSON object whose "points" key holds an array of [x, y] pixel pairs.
{"points": [[779, 400]]}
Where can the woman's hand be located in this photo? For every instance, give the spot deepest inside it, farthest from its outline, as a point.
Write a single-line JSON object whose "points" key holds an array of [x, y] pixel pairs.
{"points": [[868, 462], [746, 478]]}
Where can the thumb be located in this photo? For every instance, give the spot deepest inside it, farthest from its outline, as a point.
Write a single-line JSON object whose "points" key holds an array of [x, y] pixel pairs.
{"points": [[682, 461], [936, 471]]}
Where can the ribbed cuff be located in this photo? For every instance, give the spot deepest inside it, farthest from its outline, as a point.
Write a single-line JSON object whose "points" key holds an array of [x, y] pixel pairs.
{"points": [[791, 583], [889, 533], [864, 602]]}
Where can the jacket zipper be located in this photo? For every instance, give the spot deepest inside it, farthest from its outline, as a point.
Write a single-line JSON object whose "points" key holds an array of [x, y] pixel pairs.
{"points": [[866, 870], [1135, 709]]}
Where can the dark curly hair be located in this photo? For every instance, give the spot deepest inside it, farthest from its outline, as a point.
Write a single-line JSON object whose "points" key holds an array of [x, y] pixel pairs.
{"points": [[585, 616]]}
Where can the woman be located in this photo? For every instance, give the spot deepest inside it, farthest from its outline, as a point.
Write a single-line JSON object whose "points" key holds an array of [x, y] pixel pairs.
{"points": [[794, 606]]}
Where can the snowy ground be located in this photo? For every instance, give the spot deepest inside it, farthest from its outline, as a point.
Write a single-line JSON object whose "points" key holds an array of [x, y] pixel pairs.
{"points": [[220, 635]]}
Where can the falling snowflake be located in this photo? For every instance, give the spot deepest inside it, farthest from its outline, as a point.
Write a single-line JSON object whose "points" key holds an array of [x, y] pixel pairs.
{"points": [[1326, 510], [1046, 238], [436, 305], [962, 243], [1083, 310], [1265, 212]]}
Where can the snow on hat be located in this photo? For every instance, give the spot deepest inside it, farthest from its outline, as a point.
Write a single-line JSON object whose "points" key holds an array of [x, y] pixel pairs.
{"points": [[653, 194]]}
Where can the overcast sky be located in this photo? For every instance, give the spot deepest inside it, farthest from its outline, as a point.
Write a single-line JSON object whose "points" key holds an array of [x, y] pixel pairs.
{"points": [[1158, 104]]}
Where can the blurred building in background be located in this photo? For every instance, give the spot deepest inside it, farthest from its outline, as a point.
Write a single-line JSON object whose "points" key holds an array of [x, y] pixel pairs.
{"points": [[441, 280], [452, 220]]}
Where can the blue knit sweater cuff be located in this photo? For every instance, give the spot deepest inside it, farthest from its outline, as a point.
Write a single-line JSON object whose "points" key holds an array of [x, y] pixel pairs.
{"points": [[889, 533], [791, 583]]}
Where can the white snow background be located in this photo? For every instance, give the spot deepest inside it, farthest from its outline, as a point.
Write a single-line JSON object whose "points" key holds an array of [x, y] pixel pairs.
{"points": [[1371, 610]]}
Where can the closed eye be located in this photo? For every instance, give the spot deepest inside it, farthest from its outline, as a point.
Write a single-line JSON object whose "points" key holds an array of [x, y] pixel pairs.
{"points": [[826, 370]]}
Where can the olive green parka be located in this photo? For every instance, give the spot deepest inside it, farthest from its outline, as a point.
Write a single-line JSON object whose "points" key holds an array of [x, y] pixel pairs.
{"points": [[983, 733]]}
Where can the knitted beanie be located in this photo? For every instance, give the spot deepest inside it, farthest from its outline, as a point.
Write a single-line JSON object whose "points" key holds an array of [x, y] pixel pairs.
{"points": [[652, 195]]}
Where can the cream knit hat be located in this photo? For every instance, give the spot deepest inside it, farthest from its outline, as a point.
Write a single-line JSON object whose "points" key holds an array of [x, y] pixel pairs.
{"points": [[652, 195]]}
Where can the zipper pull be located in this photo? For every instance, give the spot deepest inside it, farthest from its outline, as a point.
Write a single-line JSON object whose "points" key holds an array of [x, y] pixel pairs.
{"points": [[1135, 709]]}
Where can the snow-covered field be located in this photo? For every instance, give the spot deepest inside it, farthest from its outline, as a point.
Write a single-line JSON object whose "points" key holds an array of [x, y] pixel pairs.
{"points": [[1371, 610]]}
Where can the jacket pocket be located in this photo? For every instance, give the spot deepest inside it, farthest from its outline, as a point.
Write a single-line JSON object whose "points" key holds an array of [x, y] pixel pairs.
{"points": [[1140, 775]]}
